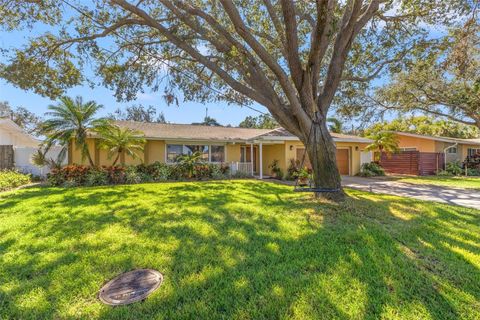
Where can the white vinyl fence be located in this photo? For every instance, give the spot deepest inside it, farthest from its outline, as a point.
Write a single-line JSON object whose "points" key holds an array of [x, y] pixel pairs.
{"points": [[23, 160], [245, 167]]}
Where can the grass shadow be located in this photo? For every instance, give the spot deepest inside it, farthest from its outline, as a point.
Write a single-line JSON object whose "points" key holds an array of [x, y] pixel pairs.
{"points": [[243, 249]]}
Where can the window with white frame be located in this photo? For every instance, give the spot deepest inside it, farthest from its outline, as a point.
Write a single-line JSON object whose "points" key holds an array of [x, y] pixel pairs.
{"points": [[173, 152], [473, 151], [452, 150], [209, 153], [217, 153], [408, 149]]}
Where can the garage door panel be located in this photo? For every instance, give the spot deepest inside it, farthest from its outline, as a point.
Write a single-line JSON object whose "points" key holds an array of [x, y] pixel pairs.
{"points": [[343, 162]]}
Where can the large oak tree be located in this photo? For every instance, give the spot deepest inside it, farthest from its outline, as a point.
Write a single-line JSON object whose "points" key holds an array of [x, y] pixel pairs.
{"points": [[290, 56], [442, 81]]}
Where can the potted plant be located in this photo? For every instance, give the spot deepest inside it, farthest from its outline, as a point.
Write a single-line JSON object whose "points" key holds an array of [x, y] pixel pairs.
{"points": [[303, 177], [276, 170]]}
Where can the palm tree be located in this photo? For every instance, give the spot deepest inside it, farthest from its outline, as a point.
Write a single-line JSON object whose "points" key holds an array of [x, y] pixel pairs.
{"points": [[118, 140], [383, 142], [71, 120], [335, 126]]}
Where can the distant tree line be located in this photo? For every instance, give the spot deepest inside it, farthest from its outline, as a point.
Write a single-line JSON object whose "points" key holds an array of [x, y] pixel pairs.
{"points": [[425, 125]]}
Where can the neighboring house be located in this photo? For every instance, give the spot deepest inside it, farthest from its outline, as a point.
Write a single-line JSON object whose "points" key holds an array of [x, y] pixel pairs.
{"points": [[13, 135], [17, 148], [426, 155], [454, 149], [235, 146]]}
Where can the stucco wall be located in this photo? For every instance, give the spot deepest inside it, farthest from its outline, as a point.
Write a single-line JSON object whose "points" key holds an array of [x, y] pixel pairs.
{"points": [[75, 156], [16, 139], [422, 145], [233, 152], [100, 157], [273, 152], [290, 152], [428, 145], [155, 151]]}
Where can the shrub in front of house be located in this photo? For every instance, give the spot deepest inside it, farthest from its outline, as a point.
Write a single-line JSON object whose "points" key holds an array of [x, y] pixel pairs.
{"points": [[371, 169], [472, 163], [444, 173], [454, 168], [293, 169], [473, 172], [77, 175], [98, 177], [10, 179]]}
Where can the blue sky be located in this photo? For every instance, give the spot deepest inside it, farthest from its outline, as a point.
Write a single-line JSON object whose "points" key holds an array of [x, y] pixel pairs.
{"points": [[186, 112]]}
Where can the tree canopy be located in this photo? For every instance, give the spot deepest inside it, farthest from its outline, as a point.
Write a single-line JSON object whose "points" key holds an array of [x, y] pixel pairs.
{"points": [[383, 142], [220, 50], [139, 113], [426, 125], [70, 121], [335, 125], [293, 57], [24, 118], [442, 81], [117, 141], [208, 121], [263, 121]]}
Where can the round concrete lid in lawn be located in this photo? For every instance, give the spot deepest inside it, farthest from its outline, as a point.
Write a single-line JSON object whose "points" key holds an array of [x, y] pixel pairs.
{"points": [[130, 287]]}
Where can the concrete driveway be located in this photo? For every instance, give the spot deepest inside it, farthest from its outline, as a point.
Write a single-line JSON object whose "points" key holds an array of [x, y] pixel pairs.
{"points": [[462, 197]]}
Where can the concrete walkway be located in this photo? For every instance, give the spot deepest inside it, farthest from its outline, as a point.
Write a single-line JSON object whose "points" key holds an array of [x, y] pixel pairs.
{"points": [[462, 197]]}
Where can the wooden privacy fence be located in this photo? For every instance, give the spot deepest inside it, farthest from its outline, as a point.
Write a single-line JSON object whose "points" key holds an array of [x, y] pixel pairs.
{"points": [[6, 157], [413, 162]]}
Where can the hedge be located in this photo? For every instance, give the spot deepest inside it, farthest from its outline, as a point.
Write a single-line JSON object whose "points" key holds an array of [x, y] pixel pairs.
{"points": [[10, 179], [78, 175]]}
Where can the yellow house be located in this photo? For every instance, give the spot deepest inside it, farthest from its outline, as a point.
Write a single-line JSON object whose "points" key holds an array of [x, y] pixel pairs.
{"points": [[251, 150], [454, 149]]}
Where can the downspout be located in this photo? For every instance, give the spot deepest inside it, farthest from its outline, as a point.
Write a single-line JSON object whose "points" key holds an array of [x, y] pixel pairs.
{"points": [[445, 154]]}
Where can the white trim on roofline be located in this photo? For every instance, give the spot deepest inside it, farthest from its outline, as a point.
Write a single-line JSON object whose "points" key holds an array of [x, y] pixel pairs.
{"points": [[441, 139]]}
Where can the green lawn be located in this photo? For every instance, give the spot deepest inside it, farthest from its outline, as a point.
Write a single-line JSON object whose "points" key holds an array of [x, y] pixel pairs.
{"points": [[237, 250], [458, 182]]}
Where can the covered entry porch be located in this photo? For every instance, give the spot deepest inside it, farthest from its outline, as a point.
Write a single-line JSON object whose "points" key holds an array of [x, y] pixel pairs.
{"points": [[256, 157]]}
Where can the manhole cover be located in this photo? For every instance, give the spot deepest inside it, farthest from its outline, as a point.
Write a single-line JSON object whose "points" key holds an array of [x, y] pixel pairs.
{"points": [[130, 287]]}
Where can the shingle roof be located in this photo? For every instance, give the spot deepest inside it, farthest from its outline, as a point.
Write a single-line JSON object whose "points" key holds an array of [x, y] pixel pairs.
{"points": [[172, 131], [189, 131], [338, 137]]}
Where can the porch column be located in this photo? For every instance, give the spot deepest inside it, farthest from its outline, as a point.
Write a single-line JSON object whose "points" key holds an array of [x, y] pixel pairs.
{"points": [[261, 160], [251, 156]]}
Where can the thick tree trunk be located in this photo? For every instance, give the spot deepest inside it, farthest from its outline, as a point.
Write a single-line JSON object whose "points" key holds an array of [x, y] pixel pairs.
{"points": [[321, 151]]}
